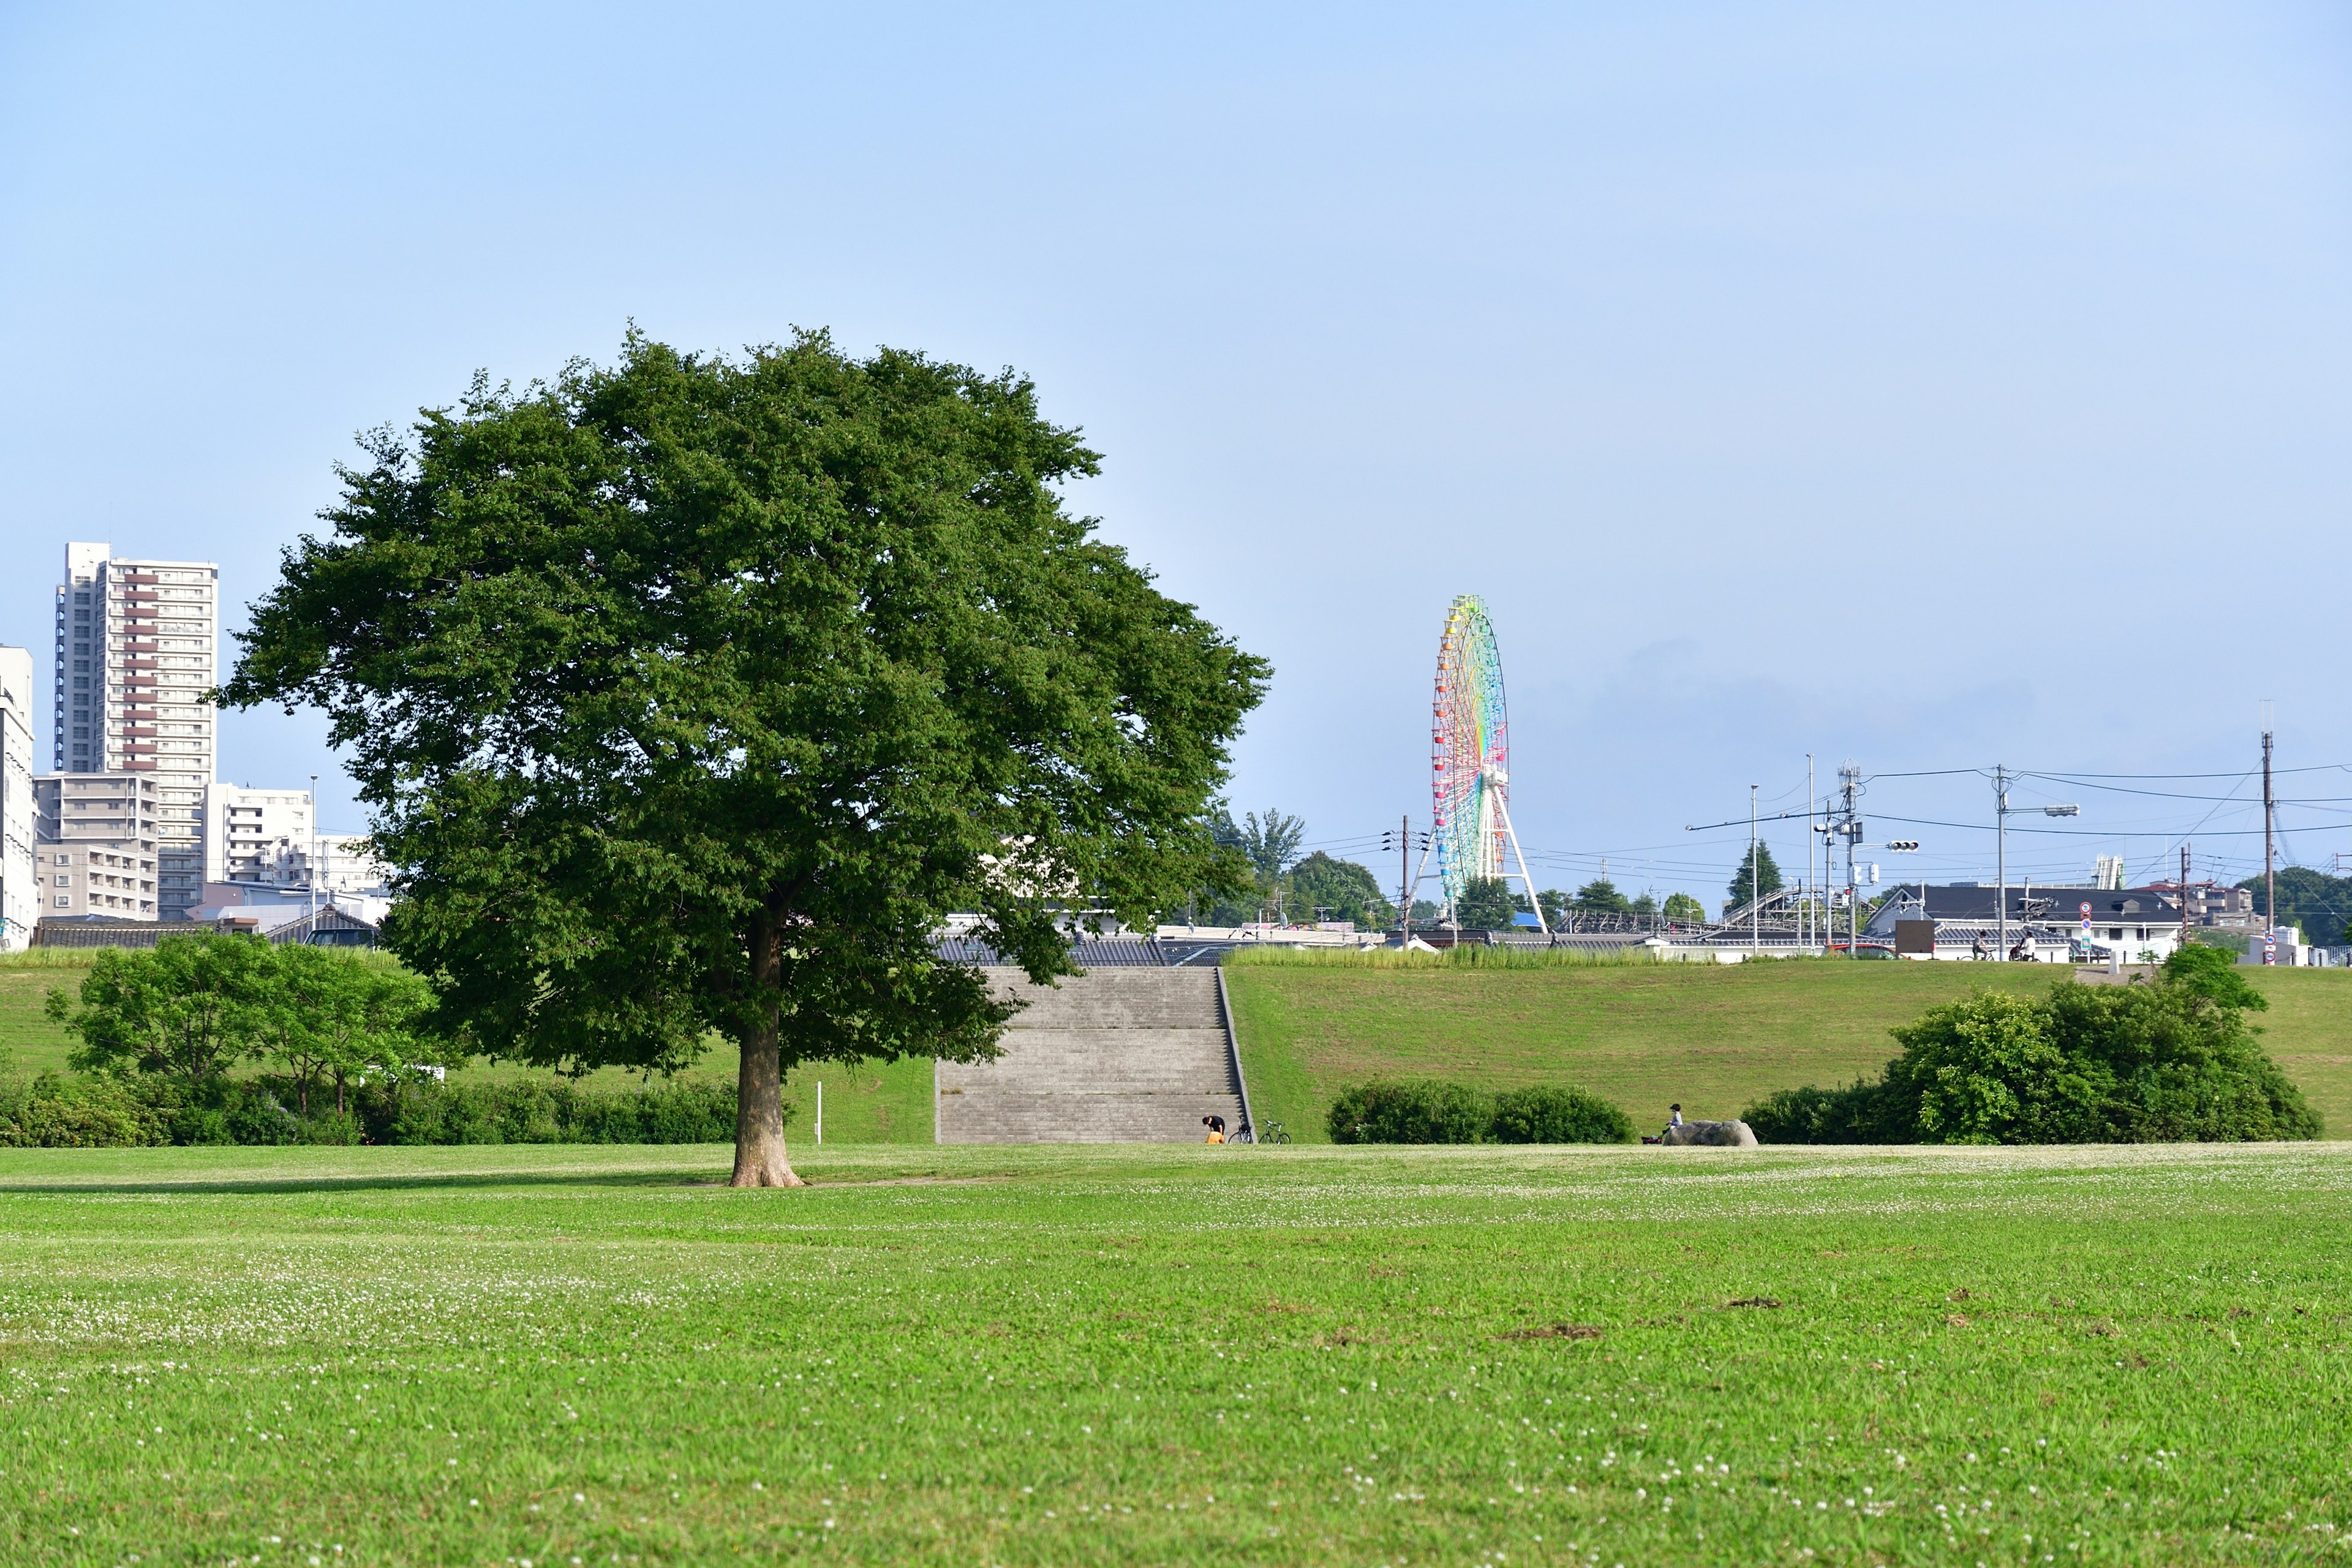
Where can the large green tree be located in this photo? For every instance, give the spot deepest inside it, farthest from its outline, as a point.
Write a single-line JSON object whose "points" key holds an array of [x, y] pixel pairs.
{"points": [[690, 694], [188, 1008]]}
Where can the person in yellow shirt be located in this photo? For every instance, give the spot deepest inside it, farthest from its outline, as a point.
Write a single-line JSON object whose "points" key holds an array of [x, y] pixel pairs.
{"points": [[1216, 1126]]}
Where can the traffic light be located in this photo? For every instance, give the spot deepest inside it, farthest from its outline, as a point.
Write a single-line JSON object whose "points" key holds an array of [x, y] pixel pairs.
{"points": [[1904, 844]]}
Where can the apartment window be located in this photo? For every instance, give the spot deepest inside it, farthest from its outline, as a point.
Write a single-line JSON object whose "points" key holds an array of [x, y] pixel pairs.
{"points": [[64, 902]]}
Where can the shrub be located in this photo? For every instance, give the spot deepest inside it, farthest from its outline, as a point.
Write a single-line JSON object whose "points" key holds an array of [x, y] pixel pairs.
{"points": [[1853, 1114], [536, 1112], [1549, 1114], [1408, 1111], [2173, 1061], [92, 1111]]}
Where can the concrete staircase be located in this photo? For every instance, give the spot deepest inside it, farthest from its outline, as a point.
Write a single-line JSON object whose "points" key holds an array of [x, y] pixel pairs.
{"points": [[1116, 1055]]}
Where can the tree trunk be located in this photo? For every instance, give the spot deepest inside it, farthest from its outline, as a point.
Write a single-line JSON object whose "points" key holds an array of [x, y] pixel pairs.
{"points": [[759, 1158]]}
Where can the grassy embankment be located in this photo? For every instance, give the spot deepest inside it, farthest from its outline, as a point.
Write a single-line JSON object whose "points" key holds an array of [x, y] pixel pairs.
{"points": [[1717, 1038], [1644, 1034], [1176, 1356], [889, 1103]]}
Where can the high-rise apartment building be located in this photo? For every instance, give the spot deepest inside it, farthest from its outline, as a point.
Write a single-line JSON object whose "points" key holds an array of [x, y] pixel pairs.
{"points": [[138, 644], [19, 904], [97, 842]]}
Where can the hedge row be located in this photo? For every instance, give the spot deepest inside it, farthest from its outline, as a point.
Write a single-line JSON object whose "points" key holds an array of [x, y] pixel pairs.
{"points": [[1436, 1110], [100, 1110]]}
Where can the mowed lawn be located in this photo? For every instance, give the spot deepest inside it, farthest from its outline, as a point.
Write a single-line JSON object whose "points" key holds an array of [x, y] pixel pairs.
{"points": [[1176, 1355], [1715, 1038]]}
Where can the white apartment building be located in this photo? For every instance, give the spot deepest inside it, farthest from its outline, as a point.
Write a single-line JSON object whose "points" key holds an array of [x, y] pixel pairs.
{"points": [[19, 901], [263, 850], [256, 835], [137, 646], [96, 838]]}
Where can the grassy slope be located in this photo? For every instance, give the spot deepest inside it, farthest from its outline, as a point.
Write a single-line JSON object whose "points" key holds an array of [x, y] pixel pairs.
{"points": [[1715, 1038], [1175, 1355], [871, 1104]]}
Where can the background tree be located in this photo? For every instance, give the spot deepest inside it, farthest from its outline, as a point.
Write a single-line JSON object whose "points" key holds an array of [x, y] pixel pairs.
{"points": [[332, 1016], [1643, 904], [1683, 908], [187, 1009], [2318, 904], [1271, 842], [1486, 904], [693, 694], [1600, 897], [1555, 906], [1349, 891], [1759, 864]]}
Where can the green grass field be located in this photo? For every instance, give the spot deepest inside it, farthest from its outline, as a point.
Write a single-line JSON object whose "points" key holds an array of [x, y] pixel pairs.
{"points": [[1176, 1355], [1717, 1038]]}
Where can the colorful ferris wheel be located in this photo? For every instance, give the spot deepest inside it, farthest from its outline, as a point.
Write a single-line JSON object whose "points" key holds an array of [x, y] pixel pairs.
{"points": [[1469, 749]]}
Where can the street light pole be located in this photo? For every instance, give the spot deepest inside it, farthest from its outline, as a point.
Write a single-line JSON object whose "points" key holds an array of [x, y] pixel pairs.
{"points": [[1755, 873]]}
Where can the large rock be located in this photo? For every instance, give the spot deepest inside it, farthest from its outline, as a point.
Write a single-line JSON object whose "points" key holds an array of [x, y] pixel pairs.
{"points": [[1732, 1134]]}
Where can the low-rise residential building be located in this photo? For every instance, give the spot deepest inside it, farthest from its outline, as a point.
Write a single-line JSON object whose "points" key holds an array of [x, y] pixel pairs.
{"points": [[19, 898], [2049, 922], [95, 842]]}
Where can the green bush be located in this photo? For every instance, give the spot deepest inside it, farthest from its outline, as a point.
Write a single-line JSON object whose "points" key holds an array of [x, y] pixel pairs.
{"points": [[1408, 1111], [92, 1111], [1435, 1111], [106, 1111], [1855, 1113], [1549, 1114], [2167, 1062], [539, 1111]]}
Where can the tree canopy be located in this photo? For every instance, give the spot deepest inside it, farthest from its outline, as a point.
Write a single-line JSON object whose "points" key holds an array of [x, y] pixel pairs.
{"points": [[1758, 876], [1347, 890], [1486, 904], [1682, 907], [691, 694], [1600, 897]]}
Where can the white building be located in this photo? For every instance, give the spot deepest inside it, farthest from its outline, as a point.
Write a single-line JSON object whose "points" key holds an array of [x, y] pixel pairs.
{"points": [[96, 841], [137, 646], [250, 834], [2051, 923], [271, 837], [19, 899], [265, 856]]}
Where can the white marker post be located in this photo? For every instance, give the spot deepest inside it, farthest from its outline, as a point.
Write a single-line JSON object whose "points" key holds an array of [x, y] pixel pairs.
{"points": [[820, 1110]]}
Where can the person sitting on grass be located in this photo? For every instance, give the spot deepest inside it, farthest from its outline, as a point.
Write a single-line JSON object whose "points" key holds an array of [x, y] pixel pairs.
{"points": [[1216, 1126]]}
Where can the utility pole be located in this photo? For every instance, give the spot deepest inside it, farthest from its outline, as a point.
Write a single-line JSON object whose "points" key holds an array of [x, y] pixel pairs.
{"points": [[1755, 873], [2184, 893], [2001, 857], [2270, 871], [1404, 880], [313, 878], [1805, 928]]}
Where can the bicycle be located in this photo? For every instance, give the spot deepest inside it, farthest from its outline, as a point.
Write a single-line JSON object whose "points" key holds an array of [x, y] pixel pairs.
{"points": [[1273, 1134]]}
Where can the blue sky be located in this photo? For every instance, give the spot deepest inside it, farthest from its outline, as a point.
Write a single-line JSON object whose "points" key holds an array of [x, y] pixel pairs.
{"points": [[1928, 388]]}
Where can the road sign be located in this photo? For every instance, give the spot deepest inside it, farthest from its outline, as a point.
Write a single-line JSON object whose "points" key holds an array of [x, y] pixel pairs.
{"points": [[2086, 919]]}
